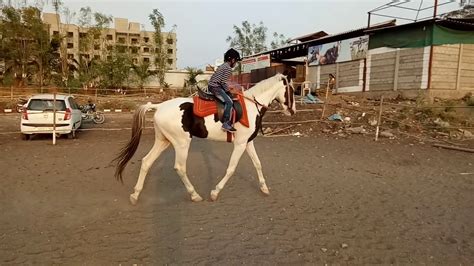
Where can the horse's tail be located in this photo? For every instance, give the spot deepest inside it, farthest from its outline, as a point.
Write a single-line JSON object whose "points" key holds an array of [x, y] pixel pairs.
{"points": [[127, 152]]}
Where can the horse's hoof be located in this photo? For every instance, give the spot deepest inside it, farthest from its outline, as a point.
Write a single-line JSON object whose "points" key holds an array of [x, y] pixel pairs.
{"points": [[214, 195], [196, 198], [133, 200], [265, 190]]}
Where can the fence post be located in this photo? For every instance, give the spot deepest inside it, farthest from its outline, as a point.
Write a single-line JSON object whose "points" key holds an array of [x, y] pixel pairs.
{"points": [[458, 78], [397, 67], [326, 98], [379, 120]]}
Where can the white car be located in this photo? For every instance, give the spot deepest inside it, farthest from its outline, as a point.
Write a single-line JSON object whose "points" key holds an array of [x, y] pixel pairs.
{"points": [[37, 117]]}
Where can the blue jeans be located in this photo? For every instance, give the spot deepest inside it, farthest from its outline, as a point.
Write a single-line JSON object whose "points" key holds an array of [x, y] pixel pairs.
{"points": [[225, 98]]}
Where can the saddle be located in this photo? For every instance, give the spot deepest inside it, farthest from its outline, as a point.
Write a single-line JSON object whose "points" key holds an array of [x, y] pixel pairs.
{"points": [[206, 104]]}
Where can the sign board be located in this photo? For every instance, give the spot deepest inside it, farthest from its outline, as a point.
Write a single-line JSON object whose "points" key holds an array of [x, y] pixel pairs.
{"points": [[340, 51], [249, 64]]}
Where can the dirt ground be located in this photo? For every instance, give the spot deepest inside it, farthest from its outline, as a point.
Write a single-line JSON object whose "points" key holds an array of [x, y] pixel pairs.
{"points": [[333, 200]]}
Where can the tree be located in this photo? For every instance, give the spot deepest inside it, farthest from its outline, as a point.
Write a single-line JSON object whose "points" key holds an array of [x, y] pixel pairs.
{"points": [[192, 75], [25, 45], [86, 68], [114, 70], [252, 39], [158, 22], [142, 74], [279, 40], [249, 38]]}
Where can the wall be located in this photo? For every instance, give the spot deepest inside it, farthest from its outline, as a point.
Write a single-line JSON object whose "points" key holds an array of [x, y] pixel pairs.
{"points": [[349, 75], [175, 79], [453, 67], [397, 69]]}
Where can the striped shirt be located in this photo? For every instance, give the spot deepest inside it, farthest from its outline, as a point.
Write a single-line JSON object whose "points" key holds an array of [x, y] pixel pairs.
{"points": [[221, 76]]}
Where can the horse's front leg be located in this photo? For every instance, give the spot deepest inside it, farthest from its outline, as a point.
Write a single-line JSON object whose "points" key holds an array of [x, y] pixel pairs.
{"points": [[234, 160], [258, 166]]}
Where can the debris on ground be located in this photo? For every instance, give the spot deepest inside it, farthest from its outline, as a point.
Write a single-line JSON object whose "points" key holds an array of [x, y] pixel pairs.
{"points": [[335, 117], [356, 130], [438, 121], [387, 134]]}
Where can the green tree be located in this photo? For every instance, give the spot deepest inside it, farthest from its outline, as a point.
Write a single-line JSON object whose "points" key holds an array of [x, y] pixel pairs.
{"points": [[86, 68], [25, 45], [279, 40], [142, 74], [249, 38], [252, 39], [161, 51], [114, 70], [192, 75]]}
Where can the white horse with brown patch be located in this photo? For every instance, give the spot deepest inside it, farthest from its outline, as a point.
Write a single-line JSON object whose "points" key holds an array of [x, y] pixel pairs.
{"points": [[175, 123]]}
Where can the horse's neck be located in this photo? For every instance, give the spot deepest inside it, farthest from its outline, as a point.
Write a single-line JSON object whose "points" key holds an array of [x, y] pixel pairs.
{"points": [[264, 95]]}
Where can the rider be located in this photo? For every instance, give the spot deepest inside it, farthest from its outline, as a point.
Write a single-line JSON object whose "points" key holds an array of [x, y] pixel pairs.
{"points": [[218, 86]]}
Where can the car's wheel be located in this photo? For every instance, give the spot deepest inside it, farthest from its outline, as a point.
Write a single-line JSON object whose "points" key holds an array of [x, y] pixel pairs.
{"points": [[72, 135], [25, 136]]}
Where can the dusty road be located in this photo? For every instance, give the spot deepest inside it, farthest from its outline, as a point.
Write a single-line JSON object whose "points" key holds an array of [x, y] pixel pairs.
{"points": [[332, 201]]}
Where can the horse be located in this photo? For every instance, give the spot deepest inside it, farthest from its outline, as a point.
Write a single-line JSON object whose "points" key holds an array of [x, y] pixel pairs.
{"points": [[176, 124]]}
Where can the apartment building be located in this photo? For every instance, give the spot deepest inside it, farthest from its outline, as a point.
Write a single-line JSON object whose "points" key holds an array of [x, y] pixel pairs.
{"points": [[126, 36]]}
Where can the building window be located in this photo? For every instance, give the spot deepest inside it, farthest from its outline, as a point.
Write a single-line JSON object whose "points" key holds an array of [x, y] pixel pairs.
{"points": [[146, 50], [134, 41], [109, 47], [109, 37], [82, 34], [146, 39], [157, 50], [70, 34], [86, 56], [96, 36], [169, 41], [146, 60], [135, 61], [170, 51], [55, 33], [121, 49], [170, 61], [134, 50], [96, 46], [121, 40], [70, 45], [97, 57], [109, 57], [70, 56]]}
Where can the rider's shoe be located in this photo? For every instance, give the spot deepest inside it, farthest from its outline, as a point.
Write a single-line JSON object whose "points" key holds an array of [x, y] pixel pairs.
{"points": [[228, 128]]}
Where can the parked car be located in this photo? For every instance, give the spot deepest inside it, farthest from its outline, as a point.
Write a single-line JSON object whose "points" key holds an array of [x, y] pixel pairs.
{"points": [[37, 117]]}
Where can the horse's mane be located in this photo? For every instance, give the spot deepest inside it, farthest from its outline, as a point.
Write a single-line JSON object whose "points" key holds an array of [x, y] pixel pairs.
{"points": [[263, 85]]}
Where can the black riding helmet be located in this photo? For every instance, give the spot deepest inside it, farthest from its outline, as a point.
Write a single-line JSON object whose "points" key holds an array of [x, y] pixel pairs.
{"points": [[231, 54]]}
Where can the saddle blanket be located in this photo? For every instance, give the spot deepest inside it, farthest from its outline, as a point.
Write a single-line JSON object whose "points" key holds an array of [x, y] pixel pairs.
{"points": [[203, 108]]}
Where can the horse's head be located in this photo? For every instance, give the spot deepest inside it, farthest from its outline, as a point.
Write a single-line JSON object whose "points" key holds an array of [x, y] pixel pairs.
{"points": [[286, 95]]}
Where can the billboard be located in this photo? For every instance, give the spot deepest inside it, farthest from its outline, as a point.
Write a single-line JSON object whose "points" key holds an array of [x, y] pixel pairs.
{"points": [[249, 64], [340, 51]]}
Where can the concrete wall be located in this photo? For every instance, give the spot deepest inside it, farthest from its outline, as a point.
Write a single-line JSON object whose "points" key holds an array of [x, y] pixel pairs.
{"points": [[453, 68], [176, 79], [349, 75], [397, 69], [404, 70]]}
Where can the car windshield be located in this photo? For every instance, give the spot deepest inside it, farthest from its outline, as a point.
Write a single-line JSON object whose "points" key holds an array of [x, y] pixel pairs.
{"points": [[46, 104]]}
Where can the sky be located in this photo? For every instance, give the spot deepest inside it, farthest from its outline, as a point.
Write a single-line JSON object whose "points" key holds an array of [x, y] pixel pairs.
{"points": [[204, 25]]}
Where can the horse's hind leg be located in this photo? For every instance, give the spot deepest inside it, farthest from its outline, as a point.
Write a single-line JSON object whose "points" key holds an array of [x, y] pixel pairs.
{"points": [[160, 145], [234, 160], [258, 166], [181, 152]]}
